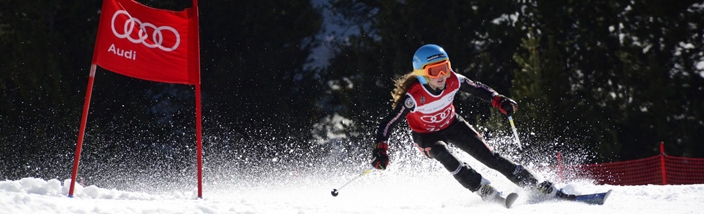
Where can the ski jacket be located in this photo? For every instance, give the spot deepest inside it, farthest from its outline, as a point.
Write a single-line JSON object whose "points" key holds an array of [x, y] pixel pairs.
{"points": [[427, 110]]}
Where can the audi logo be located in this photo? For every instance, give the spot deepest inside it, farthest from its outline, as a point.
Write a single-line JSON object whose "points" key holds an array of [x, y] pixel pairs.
{"points": [[157, 38], [439, 117]]}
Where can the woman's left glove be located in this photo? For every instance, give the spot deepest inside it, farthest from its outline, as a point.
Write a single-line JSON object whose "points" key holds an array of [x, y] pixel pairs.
{"points": [[505, 104], [381, 159]]}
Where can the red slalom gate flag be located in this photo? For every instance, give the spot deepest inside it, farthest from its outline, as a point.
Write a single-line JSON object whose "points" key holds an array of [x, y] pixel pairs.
{"points": [[148, 43]]}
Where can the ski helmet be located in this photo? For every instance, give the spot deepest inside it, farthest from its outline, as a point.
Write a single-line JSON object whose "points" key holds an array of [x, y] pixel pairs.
{"points": [[425, 55]]}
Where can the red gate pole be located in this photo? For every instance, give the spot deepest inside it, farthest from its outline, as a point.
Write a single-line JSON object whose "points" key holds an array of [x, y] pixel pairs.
{"points": [[81, 132], [199, 130], [199, 142], [662, 163]]}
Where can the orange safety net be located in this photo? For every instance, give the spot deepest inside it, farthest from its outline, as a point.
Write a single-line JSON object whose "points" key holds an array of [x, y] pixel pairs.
{"points": [[661, 169]]}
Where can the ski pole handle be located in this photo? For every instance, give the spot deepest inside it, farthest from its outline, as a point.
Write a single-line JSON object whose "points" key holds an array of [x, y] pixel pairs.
{"points": [[515, 132]]}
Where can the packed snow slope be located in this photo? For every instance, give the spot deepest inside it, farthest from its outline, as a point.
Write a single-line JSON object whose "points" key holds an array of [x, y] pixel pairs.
{"points": [[260, 185], [386, 192]]}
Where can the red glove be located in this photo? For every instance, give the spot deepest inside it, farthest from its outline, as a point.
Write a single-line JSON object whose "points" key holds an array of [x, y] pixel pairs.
{"points": [[381, 159], [505, 104]]}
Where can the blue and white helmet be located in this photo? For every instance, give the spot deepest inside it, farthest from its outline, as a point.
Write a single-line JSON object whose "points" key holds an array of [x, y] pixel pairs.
{"points": [[425, 55]]}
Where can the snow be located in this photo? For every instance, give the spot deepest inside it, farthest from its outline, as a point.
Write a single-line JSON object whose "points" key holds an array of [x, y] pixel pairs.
{"points": [[385, 192]]}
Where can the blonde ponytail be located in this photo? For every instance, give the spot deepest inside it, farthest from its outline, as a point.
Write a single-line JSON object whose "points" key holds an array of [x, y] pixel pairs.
{"points": [[402, 84]]}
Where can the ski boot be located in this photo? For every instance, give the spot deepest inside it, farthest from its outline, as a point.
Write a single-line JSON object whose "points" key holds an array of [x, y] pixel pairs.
{"points": [[489, 193], [549, 190]]}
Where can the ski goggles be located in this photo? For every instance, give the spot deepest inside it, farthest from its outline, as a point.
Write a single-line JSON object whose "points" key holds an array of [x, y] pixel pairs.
{"points": [[435, 70]]}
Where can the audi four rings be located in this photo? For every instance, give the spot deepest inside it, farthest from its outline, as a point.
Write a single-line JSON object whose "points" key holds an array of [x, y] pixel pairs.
{"points": [[157, 37], [439, 117]]}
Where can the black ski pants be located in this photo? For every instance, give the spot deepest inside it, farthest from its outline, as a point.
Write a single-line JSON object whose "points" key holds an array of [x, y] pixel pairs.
{"points": [[463, 136]]}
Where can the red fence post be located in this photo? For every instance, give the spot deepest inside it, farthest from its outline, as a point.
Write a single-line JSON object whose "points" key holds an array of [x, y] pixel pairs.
{"points": [[559, 166], [662, 163]]}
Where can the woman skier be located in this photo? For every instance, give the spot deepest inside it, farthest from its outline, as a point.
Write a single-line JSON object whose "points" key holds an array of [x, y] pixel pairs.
{"points": [[425, 98]]}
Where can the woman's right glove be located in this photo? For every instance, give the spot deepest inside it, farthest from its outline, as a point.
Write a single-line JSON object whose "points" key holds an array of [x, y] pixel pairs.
{"points": [[381, 159]]}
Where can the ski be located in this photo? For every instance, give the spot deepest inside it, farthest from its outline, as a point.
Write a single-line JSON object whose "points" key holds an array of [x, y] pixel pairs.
{"points": [[489, 194], [506, 201], [510, 198], [596, 198]]}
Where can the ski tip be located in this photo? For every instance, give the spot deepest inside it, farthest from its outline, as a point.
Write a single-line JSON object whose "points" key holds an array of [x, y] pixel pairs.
{"points": [[602, 199], [510, 199], [606, 196]]}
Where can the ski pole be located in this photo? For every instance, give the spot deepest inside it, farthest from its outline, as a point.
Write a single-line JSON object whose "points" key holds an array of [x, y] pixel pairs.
{"points": [[334, 192], [515, 133]]}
